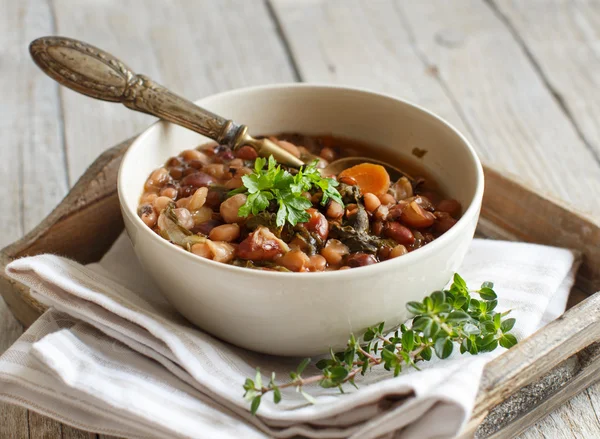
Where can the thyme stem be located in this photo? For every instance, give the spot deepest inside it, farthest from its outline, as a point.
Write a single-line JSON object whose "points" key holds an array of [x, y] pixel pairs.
{"points": [[442, 321]]}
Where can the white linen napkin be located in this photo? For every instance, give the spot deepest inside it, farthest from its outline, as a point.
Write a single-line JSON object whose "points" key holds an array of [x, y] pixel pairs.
{"points": [[113, 356]]}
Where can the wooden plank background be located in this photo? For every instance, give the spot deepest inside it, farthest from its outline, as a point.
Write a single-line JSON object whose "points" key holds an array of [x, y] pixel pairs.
{"points": [[519, 78]]}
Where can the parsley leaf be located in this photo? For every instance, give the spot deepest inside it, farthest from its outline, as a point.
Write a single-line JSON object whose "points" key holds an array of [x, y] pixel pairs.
{"points": [[275, 183]]}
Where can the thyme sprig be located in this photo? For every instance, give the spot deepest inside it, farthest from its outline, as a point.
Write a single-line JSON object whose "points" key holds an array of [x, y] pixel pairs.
{"points": [[442, 321]]}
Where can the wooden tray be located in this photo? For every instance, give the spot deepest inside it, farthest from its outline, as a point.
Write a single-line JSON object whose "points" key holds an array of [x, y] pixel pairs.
{"points": [[518, 388]]}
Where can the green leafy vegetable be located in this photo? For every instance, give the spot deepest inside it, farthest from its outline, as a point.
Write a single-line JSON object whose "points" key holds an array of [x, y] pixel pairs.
{"points": [[441, 322], [277, 184]]}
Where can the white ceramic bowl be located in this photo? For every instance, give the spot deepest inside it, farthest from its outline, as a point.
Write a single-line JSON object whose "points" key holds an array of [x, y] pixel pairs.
{"points": [[306, 313]]}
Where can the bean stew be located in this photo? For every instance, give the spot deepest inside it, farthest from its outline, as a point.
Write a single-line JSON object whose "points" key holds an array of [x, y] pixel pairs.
{"points": [[237, 208]]}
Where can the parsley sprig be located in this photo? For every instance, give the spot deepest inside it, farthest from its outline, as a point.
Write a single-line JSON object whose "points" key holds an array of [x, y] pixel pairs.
{"points": [[276, 183], [442, 321]]}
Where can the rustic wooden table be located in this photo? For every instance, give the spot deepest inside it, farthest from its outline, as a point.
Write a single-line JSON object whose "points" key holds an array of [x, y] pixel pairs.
{"points": [[520, 79]]}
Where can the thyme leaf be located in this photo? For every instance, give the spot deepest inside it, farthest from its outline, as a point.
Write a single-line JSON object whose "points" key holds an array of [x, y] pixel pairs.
{"points": [[443, 321]]}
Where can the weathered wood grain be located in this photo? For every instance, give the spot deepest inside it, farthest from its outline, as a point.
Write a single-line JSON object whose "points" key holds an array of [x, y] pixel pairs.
{"points": [[361, 44], [572, 420], [461, 61], [32, 166], [42, 427], [13, 422], [32, 169], [195, 48], [561, 38], [69, 432]]}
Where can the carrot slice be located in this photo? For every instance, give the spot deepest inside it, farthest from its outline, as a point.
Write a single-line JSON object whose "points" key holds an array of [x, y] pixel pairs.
{"points": [[369, 177]]}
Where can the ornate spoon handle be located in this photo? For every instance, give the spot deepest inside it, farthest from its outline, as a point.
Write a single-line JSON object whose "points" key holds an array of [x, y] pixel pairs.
{"points": [[95, 73]]}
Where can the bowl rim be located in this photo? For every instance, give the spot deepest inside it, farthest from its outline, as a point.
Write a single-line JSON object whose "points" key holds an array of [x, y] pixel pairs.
{"points": [[406, 260]]}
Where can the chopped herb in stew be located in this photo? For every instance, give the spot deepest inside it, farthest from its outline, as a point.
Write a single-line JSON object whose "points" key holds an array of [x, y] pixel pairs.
{"points": [[240, 209]]}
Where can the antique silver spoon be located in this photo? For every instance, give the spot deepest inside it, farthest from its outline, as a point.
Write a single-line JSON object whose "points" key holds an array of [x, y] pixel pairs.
{"points": [[96, 73]]}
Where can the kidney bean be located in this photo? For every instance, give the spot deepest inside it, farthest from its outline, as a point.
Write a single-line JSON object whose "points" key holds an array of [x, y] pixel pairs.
{"points": [[189, 171], [214, 198], [334, 210], [185, 191], [451, 207], [377, 227], [317, 223], [415, 216], [262, 245], [399, 233], [444, 222], [176, 172], [198, 179], [384, 252], [372, 202], [247, 153], [360, 260]]}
